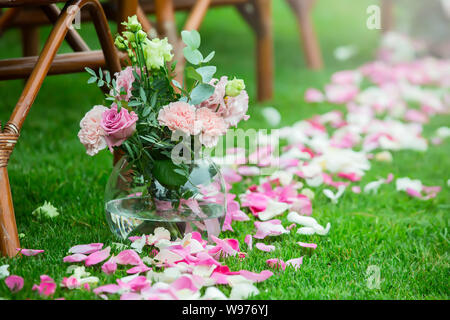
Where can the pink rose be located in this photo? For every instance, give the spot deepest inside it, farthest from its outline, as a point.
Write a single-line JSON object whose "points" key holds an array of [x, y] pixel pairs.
{"points": [[313, 95], [118, 126], [236, 109], [124, 80], [212, 126], [179, 116], [91, 134]]}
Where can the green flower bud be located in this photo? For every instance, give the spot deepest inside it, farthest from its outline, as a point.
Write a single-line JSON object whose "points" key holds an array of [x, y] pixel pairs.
{"points": [[133, 24], [129, 36], [234, 87], [141, 35], [120, 43]]}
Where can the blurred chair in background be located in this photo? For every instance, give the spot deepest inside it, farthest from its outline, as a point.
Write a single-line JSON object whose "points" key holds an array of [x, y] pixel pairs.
{"points": [[35, 69], [311, 48]]}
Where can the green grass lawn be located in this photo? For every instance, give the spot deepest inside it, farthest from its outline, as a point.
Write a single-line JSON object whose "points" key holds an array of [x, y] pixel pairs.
{"points": [[405, 237]]}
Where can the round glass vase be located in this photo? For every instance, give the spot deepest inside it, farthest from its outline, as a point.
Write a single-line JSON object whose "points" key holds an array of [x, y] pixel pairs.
{"points": [[133, 210]]}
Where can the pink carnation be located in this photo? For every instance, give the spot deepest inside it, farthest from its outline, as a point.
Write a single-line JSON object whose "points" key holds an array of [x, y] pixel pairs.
{"points": [[179, 116], [91, 134], [217, 101], [212, 126], [236, 109], [124, 80], [118, 126]]}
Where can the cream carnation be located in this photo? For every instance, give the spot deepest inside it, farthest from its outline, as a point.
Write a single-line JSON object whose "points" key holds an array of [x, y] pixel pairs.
{"points": [[91, 134]]}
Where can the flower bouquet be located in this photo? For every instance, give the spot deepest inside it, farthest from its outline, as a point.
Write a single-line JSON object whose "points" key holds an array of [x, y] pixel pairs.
{"points": [[160, 128]]}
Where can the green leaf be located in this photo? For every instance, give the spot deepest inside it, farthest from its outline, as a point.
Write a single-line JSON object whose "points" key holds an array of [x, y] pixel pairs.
{"points": [[193, 74], [146, 111], [191, 38], [92, 80], [90, 71], [134, 103], [177, 84], [101, 83], [206, 73], [193, 55], [201, 93], [153, 99], [142, 94], [108, 77], [100, 73], [209, 57], [164, 172]]}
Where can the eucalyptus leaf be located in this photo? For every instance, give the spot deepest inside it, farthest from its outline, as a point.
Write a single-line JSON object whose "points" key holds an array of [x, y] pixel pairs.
{"points": [[191, 38], [193, 55], [206, 73], [201, 93], [177, 84], [193, 74], [92, 80], [209, 57], [90, 71]]}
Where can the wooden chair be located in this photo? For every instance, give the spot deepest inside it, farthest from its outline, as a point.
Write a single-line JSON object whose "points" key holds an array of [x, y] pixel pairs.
{"points": [[311, 48], [35, 69]]}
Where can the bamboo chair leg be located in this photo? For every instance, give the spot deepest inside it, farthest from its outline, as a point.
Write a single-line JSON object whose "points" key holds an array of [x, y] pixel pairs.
{"points": [[8, 230], [258, 14], [9, 239], [302, 10], [387, 15]]}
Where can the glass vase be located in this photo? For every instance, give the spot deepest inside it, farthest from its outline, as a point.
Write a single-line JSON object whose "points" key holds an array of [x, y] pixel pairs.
{"points": [[133, 208]]}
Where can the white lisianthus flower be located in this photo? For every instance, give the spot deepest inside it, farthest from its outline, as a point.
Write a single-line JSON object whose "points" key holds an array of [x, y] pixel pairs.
{"points": [[157, 53]]}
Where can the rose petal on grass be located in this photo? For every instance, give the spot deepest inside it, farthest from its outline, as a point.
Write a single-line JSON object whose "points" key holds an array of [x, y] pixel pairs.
{"points": [[128, 257], [249, 241], [97, 257], [86, 248], [77, 257], [47, 286], [29, 252], [276, 263], [264, 247], [296, 263], [14, 283], [307, 245]]}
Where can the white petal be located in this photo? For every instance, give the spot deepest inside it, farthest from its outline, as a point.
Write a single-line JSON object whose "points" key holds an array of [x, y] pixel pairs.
{"points": [[243, 291], [306, 231], [4, 271], [321, 230], [302, 220], [273, 209], [212, 293], [139, 244]]}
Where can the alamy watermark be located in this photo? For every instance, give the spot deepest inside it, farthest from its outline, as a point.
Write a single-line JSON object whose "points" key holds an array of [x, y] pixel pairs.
{"points": [[373, 277], [374, 19]]}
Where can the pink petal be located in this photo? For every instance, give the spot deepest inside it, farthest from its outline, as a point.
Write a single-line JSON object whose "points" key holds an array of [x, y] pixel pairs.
{"points": [[276, 263], [109, 288], [29, 252], [128, 257], [413, 193], [184, 282], [77, 257], [86, 248], [296, 263], [14, 283], [307, 245], [256, 277], [263, 247], [138, 269], [70, 283], [97, 257], [110, 266], [356, 189], [47, 286], [248, 240]]}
